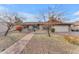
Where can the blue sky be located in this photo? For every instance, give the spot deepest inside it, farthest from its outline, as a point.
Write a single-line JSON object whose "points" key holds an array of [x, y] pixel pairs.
{"points": [[71, 10]]}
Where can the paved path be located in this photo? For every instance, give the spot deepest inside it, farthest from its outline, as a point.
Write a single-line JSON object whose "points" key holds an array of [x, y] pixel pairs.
{"points": [[18, 46]]}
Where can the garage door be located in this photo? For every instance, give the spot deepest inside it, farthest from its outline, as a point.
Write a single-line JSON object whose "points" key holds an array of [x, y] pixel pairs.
{"points": [[61, 28]]}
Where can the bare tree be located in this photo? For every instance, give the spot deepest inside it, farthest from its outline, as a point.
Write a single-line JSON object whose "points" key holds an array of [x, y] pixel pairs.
{"points": [[51, 14], [9, 19]]}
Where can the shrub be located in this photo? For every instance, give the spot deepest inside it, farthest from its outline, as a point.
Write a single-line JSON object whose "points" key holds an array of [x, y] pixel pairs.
{"points": [[52, 30], [19, 28], [72, 39]]}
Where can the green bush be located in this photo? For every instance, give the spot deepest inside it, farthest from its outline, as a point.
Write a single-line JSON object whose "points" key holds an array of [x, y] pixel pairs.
{"points": [[52, 30]]}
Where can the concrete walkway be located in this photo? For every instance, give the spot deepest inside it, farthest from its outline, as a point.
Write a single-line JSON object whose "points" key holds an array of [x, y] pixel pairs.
{"points": [[18, 46]]}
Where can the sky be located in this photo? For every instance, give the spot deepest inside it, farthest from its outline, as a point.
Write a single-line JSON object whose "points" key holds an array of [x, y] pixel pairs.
{"points": [[71, 11]]}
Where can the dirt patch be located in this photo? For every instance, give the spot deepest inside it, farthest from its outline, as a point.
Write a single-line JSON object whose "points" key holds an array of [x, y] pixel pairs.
{"points": [[42, 44], [10, 39]]}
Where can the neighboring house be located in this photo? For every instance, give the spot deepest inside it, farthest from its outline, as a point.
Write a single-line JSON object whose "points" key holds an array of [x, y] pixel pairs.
{"points": [[56, 24], [75, 26]]}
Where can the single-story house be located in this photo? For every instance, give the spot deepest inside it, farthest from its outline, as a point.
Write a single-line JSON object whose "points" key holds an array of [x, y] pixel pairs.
{"points": [[56, 24]]}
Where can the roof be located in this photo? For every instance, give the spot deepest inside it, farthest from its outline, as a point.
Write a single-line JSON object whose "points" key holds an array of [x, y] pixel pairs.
{"points": [[45, 23], [50, 22], [76, 23], [54, 21], [33, 23]]}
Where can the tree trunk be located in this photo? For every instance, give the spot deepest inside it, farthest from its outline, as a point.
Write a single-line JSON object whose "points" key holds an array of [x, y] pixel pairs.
{"points": [[7, 31], [49, 32]]}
